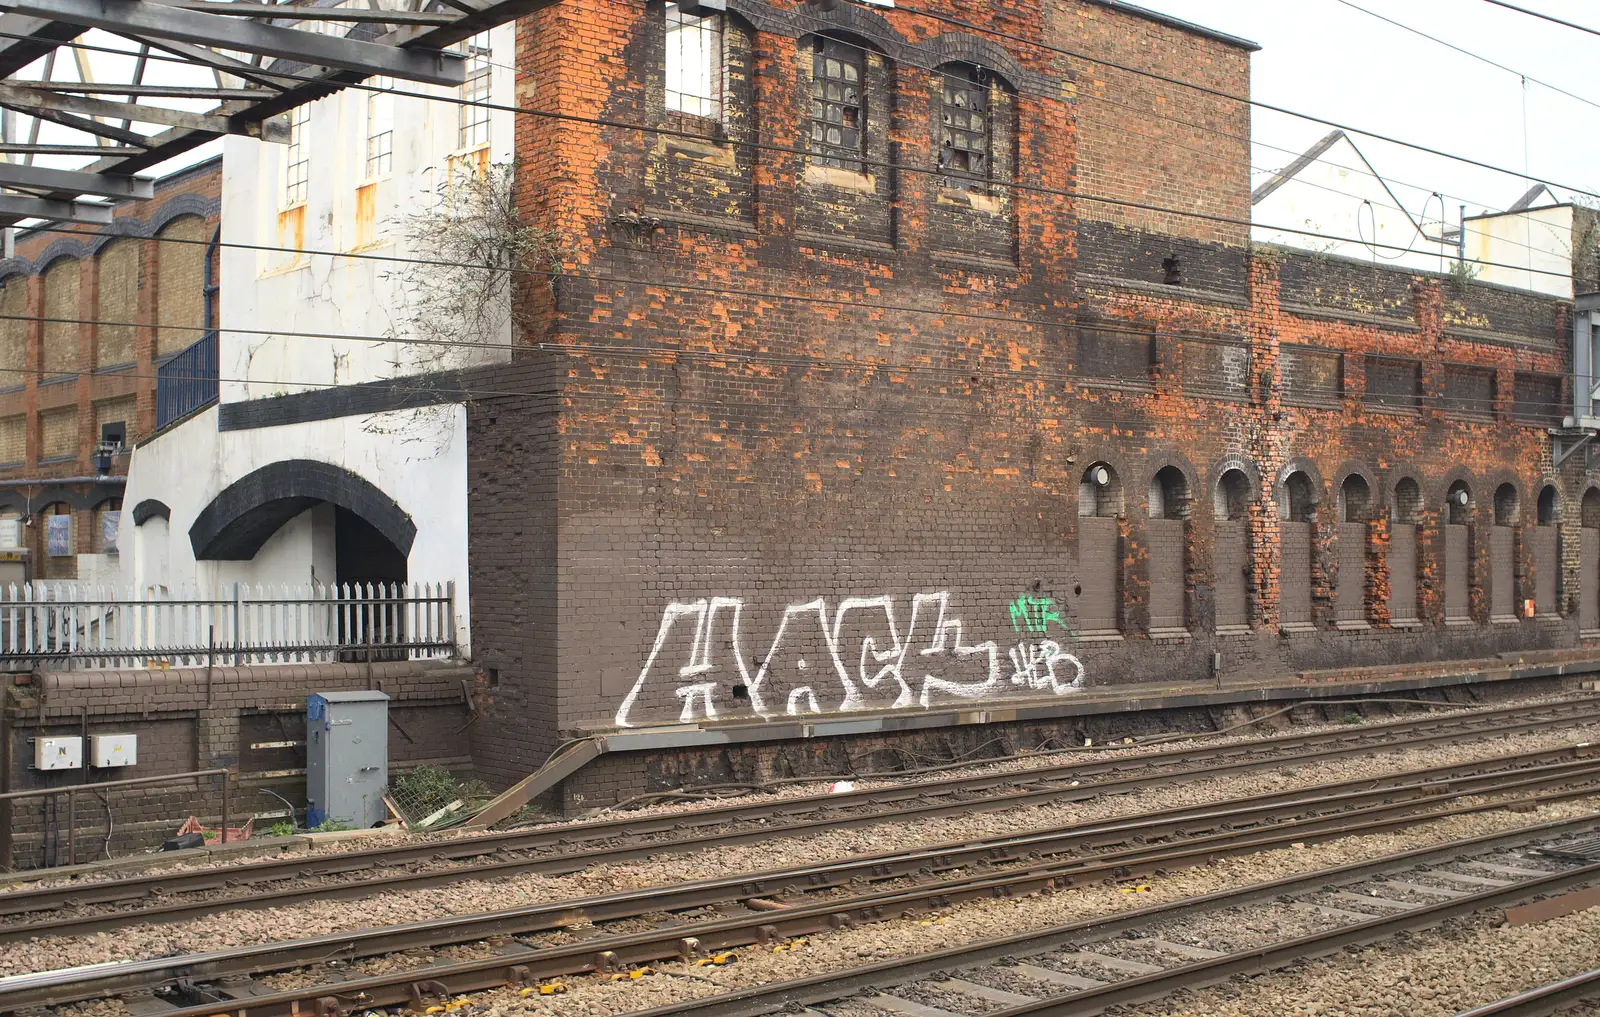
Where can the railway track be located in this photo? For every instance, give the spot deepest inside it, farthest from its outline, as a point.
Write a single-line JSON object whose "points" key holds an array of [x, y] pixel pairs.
{"points": [[817, 897], [1579, 990], [168, 897], [1138, 957]]}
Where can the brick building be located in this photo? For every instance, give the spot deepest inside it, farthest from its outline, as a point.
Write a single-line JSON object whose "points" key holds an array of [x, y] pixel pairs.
{"points": [[910, 367], [91, 318]]}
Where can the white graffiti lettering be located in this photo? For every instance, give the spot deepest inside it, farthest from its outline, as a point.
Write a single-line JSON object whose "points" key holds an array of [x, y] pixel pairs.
{"points": [[1034, 665], [860, 657]]}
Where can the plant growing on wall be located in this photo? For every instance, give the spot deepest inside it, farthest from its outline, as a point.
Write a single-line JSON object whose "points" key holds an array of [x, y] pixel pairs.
{"points": [[470, 250]]}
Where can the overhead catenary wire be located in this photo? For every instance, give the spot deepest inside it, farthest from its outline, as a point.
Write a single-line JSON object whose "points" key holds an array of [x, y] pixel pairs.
{"points": [[906, 167], [1469, 53], [1544, 17], [824, 25]]}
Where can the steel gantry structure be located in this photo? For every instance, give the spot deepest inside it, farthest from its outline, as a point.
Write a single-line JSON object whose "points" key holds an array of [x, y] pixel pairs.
{"points": [[243, 65]]}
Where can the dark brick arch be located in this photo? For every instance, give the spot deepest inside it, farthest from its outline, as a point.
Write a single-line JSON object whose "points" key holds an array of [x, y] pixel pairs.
{"points": [[1300, 464], [250, 510], [150, 509], [1191, 477], [1375, 491]]}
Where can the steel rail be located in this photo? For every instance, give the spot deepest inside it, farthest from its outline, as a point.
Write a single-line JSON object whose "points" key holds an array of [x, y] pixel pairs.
{"points": [[1547, 999], [1037, 789], [527, 965], [818, 989], [1366, 808]]}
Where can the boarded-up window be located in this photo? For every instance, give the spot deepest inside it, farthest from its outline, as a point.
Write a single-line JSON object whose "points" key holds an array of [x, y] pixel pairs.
{"points": [[1537, 399], [58, 433], [180, 284], [1114, 354], [13, 331], [61, 316], [1469, 390], [107, 524], [1311, 376], [13, 440], [119, 304], [1216, 368], [113, 412], [1393, 383]]}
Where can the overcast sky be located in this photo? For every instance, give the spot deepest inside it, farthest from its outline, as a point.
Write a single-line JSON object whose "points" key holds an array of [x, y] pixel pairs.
{"points": [[1324, 58]]}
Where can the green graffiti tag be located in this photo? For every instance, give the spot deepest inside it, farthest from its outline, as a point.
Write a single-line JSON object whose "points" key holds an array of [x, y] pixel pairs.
{"points": [[1034, 615]]}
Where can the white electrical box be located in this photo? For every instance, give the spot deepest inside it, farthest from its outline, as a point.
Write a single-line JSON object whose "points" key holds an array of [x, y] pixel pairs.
{"points": [[108, 750], [58, 753]]}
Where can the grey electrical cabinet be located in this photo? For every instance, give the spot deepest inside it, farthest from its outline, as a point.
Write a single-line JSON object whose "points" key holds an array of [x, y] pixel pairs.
{"points": [[347, 758]]}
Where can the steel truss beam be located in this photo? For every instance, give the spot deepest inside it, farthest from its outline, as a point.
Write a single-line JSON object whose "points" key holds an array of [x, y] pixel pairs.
{"points": [[153, 21]]}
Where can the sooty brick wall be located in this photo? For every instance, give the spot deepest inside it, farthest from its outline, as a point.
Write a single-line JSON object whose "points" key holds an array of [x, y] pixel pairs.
{"points": [[185, 720], [760, 473]]}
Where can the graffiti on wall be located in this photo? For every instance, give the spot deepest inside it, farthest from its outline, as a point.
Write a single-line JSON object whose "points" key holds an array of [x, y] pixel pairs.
{"points": [[865, 652]]}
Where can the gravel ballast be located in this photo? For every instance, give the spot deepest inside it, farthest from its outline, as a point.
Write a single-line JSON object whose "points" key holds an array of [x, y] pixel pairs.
{"points": [[243, 927], [595, 996]]}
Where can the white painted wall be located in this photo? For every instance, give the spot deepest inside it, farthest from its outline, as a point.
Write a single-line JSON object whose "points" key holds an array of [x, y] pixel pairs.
{"points": [[345, 210], [416, 457], [1540, 239], [1339, 197], [190, 465]]}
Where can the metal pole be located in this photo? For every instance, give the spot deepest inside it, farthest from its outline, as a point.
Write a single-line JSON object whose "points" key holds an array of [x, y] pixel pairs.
{"points": [[72, 828], [7, 847], [224, 806], [211, 653], [236, 613]]}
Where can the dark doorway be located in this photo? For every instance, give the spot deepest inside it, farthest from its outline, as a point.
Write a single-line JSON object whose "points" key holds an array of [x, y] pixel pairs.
{"points": [[363, 554], [372, 575]]}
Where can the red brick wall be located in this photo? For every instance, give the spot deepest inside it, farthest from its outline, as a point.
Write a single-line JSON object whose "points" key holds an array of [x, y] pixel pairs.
{"points": [[691, 432]]}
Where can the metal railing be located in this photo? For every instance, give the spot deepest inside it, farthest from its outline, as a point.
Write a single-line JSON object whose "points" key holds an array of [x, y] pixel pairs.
{"points": [[188, 381], [71, 792], [62, 625]]}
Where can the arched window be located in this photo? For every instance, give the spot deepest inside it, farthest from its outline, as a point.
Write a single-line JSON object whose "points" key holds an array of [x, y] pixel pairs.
{"points": [[107, 523], [181, 284], [1169, 494], [13, 332], [59, 540], [1300, 498], [1099, 551], [118, 312], [838, 103], [1405, 511], [1506, 505], [695, 63], [61, 314], [1547, 505], [1407, 507], [1100, 492], [1458, 504], [966, 126]]}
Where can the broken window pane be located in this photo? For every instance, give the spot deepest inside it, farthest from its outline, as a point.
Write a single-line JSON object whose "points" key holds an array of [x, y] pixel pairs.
{"points": [[837, 116], [965, 121]]}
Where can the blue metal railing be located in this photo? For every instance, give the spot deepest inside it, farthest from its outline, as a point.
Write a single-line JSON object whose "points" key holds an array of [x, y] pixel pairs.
{"points": [[187, 382]]}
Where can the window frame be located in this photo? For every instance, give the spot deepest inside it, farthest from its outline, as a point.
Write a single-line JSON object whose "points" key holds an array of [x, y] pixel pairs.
{"points": [[473, 121], [297, 159], [712, 107], [977, 82], [379, 161], [823, 152]]}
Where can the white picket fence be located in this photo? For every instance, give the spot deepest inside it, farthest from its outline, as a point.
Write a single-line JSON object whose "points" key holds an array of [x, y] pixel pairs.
{"points": [[71, 625]]}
